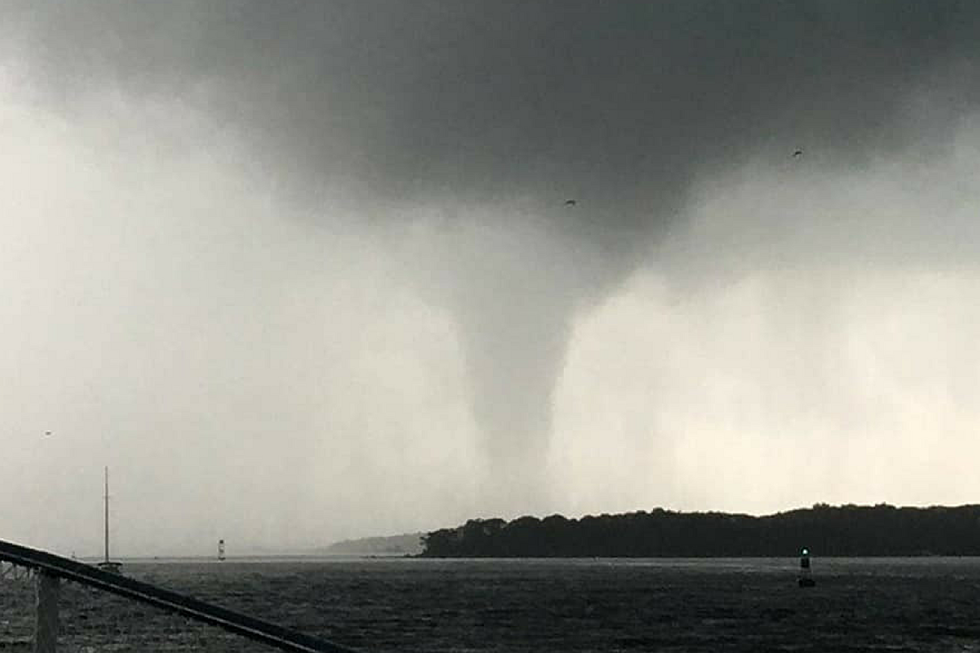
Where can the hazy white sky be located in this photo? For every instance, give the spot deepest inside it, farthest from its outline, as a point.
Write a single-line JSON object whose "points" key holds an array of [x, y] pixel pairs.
{"points": [[298, 274]]}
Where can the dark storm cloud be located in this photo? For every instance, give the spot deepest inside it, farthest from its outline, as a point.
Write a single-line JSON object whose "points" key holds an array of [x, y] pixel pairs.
{"points": [[471, 108], [616, 103]]}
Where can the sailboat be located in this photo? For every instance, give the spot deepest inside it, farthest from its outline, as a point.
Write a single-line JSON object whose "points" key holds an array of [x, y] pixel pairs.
{"points": [[108, 565]]}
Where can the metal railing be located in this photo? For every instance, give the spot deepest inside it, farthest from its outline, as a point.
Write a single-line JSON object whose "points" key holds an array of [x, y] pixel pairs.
{"points": [[49, 570]]}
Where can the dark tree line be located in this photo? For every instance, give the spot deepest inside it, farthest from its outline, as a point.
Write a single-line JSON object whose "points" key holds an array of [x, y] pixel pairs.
{"points": [[849, 530]]}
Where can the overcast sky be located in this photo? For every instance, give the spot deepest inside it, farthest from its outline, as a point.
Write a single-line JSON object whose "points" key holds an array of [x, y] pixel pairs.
{"points": [[303, 271]]}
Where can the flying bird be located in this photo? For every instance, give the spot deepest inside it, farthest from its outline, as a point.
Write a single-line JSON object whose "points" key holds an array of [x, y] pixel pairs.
{"points": [[570, 202], [797, 154]]}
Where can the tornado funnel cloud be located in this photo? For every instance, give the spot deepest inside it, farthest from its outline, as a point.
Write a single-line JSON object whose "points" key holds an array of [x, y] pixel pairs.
{"points": [[513, 355], [513, 290]]}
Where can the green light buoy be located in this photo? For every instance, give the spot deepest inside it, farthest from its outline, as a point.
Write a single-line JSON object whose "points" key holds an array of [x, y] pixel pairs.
{"points": [[804, 579]]}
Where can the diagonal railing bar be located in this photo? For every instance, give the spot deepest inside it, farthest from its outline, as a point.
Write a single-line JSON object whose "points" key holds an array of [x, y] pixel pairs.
{"points": [[235, 622]]}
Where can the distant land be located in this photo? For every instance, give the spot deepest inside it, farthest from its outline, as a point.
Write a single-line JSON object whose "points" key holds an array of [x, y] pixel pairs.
{"points": [[848, 530], [407, 544]]}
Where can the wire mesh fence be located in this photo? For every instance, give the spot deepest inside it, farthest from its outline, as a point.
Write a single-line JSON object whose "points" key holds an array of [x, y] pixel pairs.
{"points": [[88, 618], [94, 621], [17, 596]]}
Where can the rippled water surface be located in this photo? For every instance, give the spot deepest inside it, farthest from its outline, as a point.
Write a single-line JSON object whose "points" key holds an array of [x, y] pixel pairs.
{"points": [[924, 604]]}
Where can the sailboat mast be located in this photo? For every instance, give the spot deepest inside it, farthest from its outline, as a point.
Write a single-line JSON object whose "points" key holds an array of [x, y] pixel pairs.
{"points": [[107, 514], [108, 565]]}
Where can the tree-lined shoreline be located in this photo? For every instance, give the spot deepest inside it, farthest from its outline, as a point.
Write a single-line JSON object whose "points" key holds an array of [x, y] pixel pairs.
{"points": [[847, 530]]}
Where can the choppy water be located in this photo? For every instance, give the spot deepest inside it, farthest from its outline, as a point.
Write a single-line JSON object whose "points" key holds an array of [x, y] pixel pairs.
{"points": [[922, 604]]}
